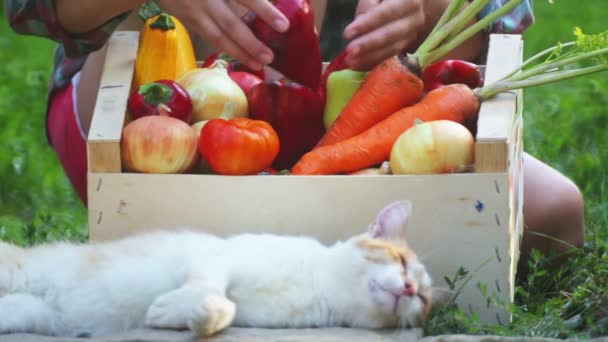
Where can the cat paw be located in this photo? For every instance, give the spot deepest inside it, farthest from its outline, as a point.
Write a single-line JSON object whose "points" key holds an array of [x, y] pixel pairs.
{"points": [[212, 316], [168, 311]]}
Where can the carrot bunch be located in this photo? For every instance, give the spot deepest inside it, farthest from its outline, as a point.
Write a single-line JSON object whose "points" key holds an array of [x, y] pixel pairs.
{"points": [[396, 83], [455, 102]]}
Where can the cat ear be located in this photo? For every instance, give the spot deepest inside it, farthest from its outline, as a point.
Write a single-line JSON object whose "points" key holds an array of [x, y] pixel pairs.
{"points": [[391, 221]]}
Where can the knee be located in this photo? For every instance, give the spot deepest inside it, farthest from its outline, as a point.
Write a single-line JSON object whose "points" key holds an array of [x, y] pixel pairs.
{"points": [[568, 209]]}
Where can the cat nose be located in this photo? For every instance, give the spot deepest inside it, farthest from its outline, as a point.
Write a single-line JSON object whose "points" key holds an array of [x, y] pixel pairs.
{"points": [[410, 289]]}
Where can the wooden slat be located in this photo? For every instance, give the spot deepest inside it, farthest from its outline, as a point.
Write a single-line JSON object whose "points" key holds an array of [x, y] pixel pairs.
{"points": [[495, 121], [516, 187], [110, 108]]}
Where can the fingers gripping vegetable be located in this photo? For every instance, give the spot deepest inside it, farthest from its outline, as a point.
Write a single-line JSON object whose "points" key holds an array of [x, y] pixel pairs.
{"points": [[406, 86], [240, 146], [214, 94], [165, 50], [297, 52], [456, 102], [295, 112], [162, 95], [449, 72]]}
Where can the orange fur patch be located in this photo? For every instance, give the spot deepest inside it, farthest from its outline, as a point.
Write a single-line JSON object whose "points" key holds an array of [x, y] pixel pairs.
{"points": [[385, 252]]}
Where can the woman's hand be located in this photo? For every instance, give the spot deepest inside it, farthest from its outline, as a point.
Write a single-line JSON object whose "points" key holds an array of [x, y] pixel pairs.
{"points": [[220, 23], [381, 29]]}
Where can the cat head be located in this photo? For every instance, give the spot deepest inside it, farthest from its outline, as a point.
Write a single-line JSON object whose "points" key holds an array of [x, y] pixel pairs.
{"points": [[388, 285]]}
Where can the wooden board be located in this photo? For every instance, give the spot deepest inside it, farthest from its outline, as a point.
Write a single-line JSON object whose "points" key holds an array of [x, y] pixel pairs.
{"points": [[496, 116], [458, 220], [110, 109]]}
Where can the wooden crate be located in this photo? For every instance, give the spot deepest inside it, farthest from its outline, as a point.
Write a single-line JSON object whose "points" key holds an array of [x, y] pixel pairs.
{"points": [[473, 220]]}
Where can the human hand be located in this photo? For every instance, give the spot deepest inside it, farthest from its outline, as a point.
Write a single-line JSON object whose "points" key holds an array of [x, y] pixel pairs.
{"points": [[220, 23], [382, 29]]}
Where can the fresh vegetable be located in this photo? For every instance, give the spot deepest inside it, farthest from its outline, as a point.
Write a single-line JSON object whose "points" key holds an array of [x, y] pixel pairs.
{"points": [[233, 64], [378, 98], [165, 50], [451, 71], [433, 147], [341, 86], [459, 103], [387, 88], [238, 72], [214, 94], [297, 51], [455, 102], [294, 111], [161, 95], [384, 169], [158, 144], [337, 64], [244, 79], [240, 146]]}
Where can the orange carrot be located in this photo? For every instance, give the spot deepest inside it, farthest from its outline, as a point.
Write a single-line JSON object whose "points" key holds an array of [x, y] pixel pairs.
{"points": [[387, 88], [455, 102]]}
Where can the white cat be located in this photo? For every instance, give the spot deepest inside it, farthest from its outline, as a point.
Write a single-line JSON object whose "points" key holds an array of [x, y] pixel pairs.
{"points": [[193, 280]]}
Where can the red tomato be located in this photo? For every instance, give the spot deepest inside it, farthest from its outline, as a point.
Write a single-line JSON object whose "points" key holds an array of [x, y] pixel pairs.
{"points": [[240, 146]]}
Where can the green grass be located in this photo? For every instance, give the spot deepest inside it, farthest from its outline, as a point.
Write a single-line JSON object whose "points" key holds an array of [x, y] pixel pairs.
{"points": [[565, 126], [37, 202]]}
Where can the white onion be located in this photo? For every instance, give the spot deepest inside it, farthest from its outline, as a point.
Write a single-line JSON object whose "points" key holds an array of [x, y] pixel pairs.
{"points": [[433, 147], [214, 94]]}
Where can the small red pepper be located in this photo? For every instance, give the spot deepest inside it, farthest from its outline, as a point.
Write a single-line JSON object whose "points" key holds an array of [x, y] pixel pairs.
{"points": [[451, 71], [296, 114], [297, 51], [156, 97]]}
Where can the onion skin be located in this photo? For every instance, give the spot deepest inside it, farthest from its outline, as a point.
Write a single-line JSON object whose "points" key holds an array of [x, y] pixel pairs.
{"points": [[384, 169], [158, 144], [433, 147], [213, 93]]}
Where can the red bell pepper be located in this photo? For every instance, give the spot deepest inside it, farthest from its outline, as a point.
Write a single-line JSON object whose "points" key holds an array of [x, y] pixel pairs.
{"points": [[297, 51], [451, 71], [294, 111], [160, 96]]}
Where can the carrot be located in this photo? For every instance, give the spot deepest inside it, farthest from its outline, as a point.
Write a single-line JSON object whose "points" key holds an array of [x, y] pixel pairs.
{"points": [[395, 83], [387, 88], [455, 102], [458, 103]]}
